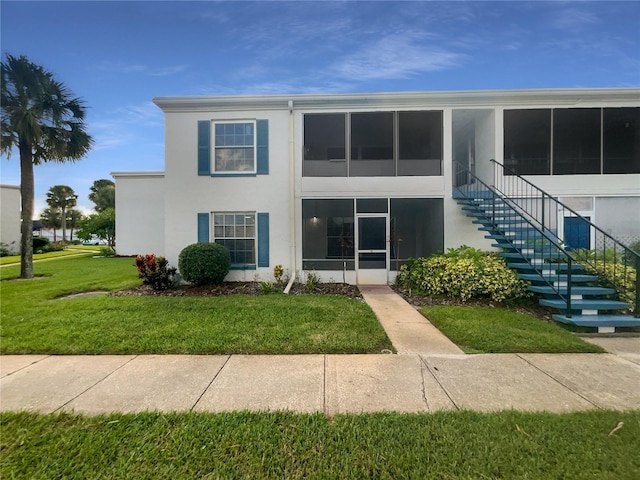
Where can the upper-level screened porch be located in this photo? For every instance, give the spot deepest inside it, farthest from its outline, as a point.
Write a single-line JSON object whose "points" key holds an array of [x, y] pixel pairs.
{"points": [[572, 141], [372, 144]]}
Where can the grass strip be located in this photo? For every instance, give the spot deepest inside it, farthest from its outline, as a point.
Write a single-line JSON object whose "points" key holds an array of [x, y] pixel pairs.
{"points": [[34, 319], [496, 330], [15, 259], [443, 445]]}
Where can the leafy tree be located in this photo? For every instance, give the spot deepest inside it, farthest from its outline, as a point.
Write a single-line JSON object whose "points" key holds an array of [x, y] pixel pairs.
{"points": [[62, 198], [103, 194], [42, 119], [102, 225], [73, 220], [50, 218]]}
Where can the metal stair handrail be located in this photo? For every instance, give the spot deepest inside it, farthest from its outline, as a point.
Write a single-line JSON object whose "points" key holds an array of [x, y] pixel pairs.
{"points": [[466, 183], [609, 257]]}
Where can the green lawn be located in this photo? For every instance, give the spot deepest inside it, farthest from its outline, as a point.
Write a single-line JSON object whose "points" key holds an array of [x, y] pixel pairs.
{"points": [[443, 445], [35, 320], [496, 330], [71, 250]]}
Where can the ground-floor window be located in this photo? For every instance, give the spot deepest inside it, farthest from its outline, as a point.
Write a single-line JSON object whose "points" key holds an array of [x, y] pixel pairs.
{"points": [[237, 232], [416, 229]]}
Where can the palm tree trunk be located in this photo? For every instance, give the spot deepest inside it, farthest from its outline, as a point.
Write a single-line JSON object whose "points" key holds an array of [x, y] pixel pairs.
{"points": [[26, 199], [63, 221]]}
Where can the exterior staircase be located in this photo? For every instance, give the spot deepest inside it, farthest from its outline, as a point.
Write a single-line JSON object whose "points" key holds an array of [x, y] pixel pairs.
{"points": [[530, 245]]}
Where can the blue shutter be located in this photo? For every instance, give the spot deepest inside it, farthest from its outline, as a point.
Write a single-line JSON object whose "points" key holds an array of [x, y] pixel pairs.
{"points": [[262, 146], [204, 147], [203, 227], [263, 239]]}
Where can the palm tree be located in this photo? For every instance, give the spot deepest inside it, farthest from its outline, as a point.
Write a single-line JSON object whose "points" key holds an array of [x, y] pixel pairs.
{"points": [[62, 198], [42, 119], [73, 221], [50, 218], [103, 194]]}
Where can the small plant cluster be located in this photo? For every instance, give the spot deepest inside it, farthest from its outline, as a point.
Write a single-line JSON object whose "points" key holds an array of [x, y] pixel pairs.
{"points": [[155, 272], [204, 263], [43, 245], [6, 249], [462, 273]]}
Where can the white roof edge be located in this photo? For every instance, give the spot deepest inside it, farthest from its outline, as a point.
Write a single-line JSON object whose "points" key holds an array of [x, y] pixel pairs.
{"points": [[136, 174], [442, 98], [4, 185]]}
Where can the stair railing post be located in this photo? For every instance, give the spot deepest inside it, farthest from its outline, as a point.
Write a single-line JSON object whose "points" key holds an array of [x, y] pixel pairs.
{"points": [[636, 310], [569, 286], [543, 212]]}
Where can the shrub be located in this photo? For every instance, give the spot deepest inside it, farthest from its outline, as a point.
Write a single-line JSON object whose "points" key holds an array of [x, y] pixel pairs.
{"points": [[39, 243], [312, 281], [107, 252], [56, 246], [204, 263], [278, 274], [5, 249], [463, 273], [155, 272]]}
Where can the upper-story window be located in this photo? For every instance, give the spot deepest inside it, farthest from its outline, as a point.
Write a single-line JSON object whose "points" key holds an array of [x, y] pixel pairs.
{"points": [[567, 141], [364, 144], [234, 147]]}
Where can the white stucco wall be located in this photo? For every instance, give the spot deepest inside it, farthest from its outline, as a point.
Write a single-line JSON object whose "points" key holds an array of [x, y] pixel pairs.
{"points": [[188, 194], [140, 219], [10, 216]]}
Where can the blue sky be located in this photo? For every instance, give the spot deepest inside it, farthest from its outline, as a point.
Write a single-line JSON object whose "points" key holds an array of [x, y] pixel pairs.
{"points": [[117, 56]]}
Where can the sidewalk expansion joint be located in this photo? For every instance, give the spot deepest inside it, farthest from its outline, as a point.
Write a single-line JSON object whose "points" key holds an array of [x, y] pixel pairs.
{"points": [[99, 381], [26, 366], [424, 361], [560, 382], [324, 384], [210, 383]]}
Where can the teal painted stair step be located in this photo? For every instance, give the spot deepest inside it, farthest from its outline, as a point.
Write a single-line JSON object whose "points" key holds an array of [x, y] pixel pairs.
{"points": [[535, 255], [537, 277], [575, 290], [599, 321], [562, 267], [591, 304]]}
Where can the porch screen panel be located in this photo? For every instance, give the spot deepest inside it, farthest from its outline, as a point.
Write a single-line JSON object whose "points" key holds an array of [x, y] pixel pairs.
{"points": [[372, 145], [327, 234], [420, 143], [576, 141], [621, 140], [417, 228], [324, 145], [527, 141]]}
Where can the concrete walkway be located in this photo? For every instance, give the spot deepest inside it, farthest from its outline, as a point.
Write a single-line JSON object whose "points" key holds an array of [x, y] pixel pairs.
{"points": [[428, 374]]}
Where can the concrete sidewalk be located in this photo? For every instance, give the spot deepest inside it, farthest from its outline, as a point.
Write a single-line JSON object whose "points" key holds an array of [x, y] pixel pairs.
{"points": [[430, 373], [318, 383]]}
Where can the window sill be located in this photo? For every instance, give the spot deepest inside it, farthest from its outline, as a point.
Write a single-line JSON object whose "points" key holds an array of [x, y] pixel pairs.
{"points": [[251, 174], [243, 267]]}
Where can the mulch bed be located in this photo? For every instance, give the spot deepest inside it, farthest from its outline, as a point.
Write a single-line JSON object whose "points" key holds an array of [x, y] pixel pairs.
{"points": [[243, 288]]}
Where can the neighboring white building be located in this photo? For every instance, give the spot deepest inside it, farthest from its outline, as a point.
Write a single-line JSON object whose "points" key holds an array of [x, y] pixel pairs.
{"points": [[10, 217], [350, 186]]}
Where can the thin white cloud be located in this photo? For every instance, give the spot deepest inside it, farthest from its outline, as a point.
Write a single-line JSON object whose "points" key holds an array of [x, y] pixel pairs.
{"points": [[395, 57], [573, 19], [135, 68], [118, 127]]}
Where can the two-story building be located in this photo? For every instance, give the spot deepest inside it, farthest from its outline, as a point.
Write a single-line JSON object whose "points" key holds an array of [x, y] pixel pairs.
{"points": [[351, 185]]}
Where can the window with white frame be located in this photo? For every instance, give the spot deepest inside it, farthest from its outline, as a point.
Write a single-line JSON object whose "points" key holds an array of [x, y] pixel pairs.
{"points": [[234, 147], [237, 232]]}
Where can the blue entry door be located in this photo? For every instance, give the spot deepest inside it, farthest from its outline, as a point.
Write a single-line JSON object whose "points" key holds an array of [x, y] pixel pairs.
{"points": [[576, 232]]}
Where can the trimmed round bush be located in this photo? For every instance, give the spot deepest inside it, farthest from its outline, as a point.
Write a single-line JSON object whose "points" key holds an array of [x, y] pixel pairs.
{"points": [[204, 263], [40, 242]]}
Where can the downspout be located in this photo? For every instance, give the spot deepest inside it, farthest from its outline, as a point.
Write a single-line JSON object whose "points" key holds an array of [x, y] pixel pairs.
{"points": [[292, 197]]}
